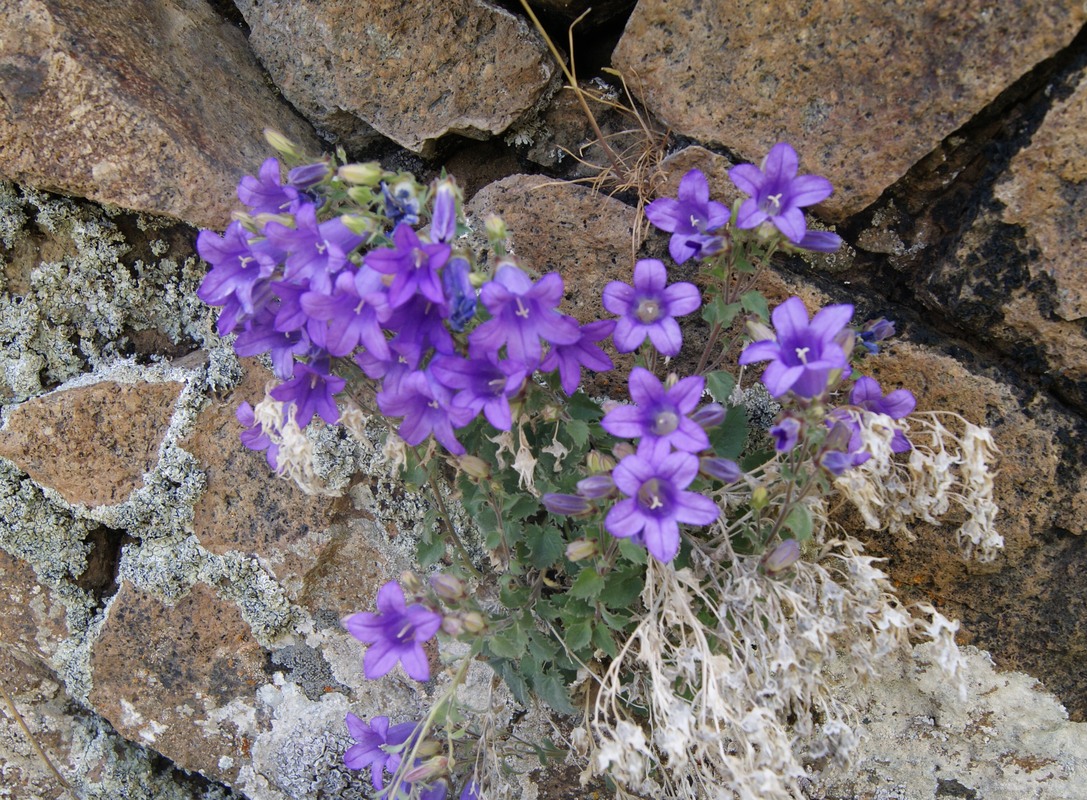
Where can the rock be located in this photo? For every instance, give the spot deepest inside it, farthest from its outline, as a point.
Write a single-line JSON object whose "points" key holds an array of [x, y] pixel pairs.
{"points": [[155, 108], [180, 678], [92, 444], [411, 72], [40, 627], [1045, 191], [862, 90]]}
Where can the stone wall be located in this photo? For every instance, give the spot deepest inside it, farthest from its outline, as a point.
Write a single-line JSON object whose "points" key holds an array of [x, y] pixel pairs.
{"points": [[173, 628]]}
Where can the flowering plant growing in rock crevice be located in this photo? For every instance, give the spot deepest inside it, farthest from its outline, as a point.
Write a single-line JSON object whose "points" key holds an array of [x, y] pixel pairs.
{"points": [[657, 571]]}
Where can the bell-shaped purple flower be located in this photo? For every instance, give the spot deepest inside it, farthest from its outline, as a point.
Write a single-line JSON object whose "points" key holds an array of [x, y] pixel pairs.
{"points": [[254, 436], [659, 415], [239, 265], [777, 194], [649, 307], [691, 219], [804, 353], [460, 295], [312, 391], [900, 403], [378, 746], [657, 501], [316, 252], [352, 314], [482, 385], [414, 265], [265, 194], [427, 408], [261, 336], [570, 358], [395, 633]]}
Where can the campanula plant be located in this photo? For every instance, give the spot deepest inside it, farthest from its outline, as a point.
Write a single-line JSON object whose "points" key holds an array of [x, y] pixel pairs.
{"points": [[654, 568]]}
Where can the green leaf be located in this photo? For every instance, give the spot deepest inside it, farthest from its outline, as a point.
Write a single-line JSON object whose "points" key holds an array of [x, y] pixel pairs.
{"points": [[510, 643], [631, 551], [728, 438], [720, 385], [544, 544], [582, 407], [623, 586], [800, 523], [603, 639], [519, 506], [578, 635], [577, 430], [551, 688], [718, 312], [588, 584], [617, 622], [755, 302], [542, 647], [430, 551], [509, 672]]}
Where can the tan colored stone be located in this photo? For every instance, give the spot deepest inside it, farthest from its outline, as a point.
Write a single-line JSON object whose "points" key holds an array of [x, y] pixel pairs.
{"points": [[38, 625], [93, 444], [181, 679], [413, 72], [862, 90], [246, 507], [1045, 191], [152, 107]]}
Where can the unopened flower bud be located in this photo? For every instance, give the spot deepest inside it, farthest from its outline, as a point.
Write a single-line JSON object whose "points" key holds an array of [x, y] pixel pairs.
{"points": [[709, 416], [368, 174], [671, 380], [839, 436], [410, 581], [362, 226], [550, 413], [496, 227], [760, 332], [781, 557], [565, 504], [622, 450], [596, 486], [760, 498], [281, 143], [308, 175], [580, 549], [427, 748], [474, 467], [610, 405], [429, 769], [474, 622], [720, 468], [599, 462], [448, 587], [452, 625]]}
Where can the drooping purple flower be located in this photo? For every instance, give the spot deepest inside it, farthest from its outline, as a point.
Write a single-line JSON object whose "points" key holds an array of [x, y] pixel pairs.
{"points": [[786, 434], [404, 358], [261, 336], [875, 331], [570, 358], [352, 314], [777, 194], [378, 746], [422, 324], [690, 219], [308, 175], [238, 267], [311, 390], [820, 242], [395, 633], [316, 252], [723, 469], [414, 265], [657, 501], [427, 408], [265, 194], [443, 223], [482, 385], [659, 415], [459, 292], [522, 313], [254, 436], [868, 394], [648, 308], [565, 505], [804, 353]]}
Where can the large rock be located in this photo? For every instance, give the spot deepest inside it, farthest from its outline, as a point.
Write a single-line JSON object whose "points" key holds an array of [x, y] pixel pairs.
{"points": [[152, 107], [862, 90], [412, 72], [92, 444]]}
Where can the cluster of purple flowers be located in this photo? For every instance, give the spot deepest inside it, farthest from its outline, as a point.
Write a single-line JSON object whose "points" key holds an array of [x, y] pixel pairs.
{"points": [[308, 291]]}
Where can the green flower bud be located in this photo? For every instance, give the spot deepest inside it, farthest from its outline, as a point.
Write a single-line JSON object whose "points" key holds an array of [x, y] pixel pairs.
{"points": [[475, 467], [368, 174], [281, 143], [760, 498], [580, 549]]}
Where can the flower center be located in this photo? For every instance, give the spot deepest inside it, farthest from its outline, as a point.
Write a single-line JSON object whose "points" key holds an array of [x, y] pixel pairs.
{"points": [[406, 633], [664, 422], [648, 310], [521, 310], [433, 404], [651, 494], [802, 354], [496, 385], [773, 201]]}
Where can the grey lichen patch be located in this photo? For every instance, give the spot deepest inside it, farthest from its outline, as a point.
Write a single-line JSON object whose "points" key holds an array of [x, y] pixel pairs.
{"points": [[309, 669], [73, 291]]}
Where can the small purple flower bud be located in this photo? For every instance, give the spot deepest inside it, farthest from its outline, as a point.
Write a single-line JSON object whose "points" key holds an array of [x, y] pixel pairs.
{"points": [[786, 434], [308, 176], [781, 557], [622, 450], [565, 504], [720, 468], [448, 587], [596, 486], [453, 626], [459, 293], [580, 549], [709, 416]]}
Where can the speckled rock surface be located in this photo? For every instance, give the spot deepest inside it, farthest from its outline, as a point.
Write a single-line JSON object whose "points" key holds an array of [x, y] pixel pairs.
{"points": [[868, 88], [40, 626], [150, 107], [355, 68], [92, 444]]}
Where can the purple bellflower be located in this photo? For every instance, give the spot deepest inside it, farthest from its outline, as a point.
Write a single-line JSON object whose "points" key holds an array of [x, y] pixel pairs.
{"points": [[777, 194], [786, 434], [648, 308], [443, 222], [316, 251], [874, 332], [900, 403], [482, 385], [238, 266], [401, 204], [690, 219], [378, 746], [659, 415], [522, 313], [459, 292], [311, 390], [657, 501], [805, 353], [414, 266], [570, 358], [421, 323], [352, 314], [395, 633], [254, 436], [261, 336], [427, 407], [265, 194], [308, 175], [471, 790]]}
